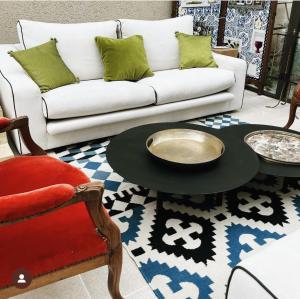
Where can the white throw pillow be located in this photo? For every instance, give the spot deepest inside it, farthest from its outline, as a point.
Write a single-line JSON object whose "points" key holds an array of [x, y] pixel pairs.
{"points": [[159, 39], [76, 43]]}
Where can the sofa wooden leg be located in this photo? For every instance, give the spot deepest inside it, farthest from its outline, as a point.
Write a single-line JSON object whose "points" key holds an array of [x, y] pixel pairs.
{"points": [[114, 274]]}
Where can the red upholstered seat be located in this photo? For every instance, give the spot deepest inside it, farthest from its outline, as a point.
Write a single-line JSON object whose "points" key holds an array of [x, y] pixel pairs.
{"points": [[54, 240]]}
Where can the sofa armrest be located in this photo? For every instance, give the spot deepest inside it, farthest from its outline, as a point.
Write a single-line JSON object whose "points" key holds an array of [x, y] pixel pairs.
{"points": [[19, 96], [239, 67]]}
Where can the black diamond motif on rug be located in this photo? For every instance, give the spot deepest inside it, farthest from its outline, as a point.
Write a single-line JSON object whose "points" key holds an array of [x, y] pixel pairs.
{"points": [[220, 217], [183, 235], [138, 251], [122, 201], [259, 205]]}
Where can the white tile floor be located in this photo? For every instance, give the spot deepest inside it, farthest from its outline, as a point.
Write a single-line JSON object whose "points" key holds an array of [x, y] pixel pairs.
{"points": [[92, 285], [254, 111]]}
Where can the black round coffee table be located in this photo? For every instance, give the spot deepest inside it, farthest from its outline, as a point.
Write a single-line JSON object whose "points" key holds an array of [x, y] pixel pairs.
{"points": [[265, 167], [128, 156]]}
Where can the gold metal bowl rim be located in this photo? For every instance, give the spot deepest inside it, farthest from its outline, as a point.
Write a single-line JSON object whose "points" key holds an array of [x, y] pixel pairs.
{"points": [[189, 130]]}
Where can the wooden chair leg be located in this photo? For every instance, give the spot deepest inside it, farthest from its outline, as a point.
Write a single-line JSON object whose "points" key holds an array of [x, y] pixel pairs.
{"points": [[114, 274], [294, 104], [111, 231], [292, 115]]}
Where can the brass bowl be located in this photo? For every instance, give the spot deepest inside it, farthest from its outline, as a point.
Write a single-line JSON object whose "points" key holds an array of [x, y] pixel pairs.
{"points": [[185, 147]]}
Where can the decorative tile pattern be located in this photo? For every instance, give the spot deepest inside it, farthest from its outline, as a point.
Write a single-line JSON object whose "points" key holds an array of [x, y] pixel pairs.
{"points": [[243, 239], [259, 205], [296, 201], [207, 15], [220, 121], [195, 242], [172, 283], [183, 235], [187, 248], [242, 26]]}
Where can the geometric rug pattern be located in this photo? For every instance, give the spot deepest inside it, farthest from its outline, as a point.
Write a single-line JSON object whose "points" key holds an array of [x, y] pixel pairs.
{"points": [[187, 247]]}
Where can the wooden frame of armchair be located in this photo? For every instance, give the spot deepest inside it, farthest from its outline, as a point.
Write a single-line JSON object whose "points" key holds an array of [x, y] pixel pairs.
{"points": [[295, 102], [91, 194]]}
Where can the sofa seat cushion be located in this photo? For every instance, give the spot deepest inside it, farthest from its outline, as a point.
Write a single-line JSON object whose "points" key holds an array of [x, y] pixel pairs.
{"points": [[113, 123], [95, 97], [177, 85]]}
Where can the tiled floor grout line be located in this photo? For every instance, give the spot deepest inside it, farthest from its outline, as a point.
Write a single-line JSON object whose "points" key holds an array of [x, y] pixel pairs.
{"points": [[85, 287], [136, 291]]}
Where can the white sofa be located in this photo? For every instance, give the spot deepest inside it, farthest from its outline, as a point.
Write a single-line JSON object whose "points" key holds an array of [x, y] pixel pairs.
{"points": [[272, 272], [94, 108]]}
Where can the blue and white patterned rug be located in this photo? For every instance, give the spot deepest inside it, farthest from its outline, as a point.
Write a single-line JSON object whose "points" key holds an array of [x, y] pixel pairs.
{"points": [[187, 250]]}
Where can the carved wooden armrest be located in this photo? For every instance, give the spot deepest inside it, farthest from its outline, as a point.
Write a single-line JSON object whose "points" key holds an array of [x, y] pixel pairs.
{"points": [[21, 123], [27, 205], [106, 227]]}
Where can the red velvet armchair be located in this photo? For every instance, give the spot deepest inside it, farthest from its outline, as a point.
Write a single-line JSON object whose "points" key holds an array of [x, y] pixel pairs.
{"points": [[52, 221]]}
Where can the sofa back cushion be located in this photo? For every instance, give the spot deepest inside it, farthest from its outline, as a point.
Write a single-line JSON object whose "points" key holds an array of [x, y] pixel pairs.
{"points": [[75, 43], [159, 39]]}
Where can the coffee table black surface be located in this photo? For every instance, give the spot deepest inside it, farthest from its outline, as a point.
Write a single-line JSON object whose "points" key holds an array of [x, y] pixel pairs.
{"points": [[270, 168], [128, 156]]}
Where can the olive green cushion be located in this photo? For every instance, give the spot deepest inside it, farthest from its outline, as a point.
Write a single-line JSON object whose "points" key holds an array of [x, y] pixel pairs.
{"points": [[195, 51], [123, 59], [45, 66]]}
